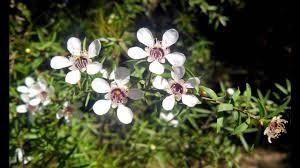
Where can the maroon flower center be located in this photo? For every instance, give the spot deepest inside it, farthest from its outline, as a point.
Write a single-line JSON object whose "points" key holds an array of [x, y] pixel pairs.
{"points": [[81, 62], [176, 88], [118, 96], [68, 110], [157, 53], [273, 126], [44, 94]]}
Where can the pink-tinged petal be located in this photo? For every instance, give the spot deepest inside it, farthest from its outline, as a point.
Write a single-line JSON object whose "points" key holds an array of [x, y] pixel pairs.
{"points": [[192, 82], [94, 48], [169, 38], [35, 101], [100, 85], [122, 75], [136, 53], [29, 81], [169, 102], [124, 114], [22, 89], [190, 100], [156, 67], [145, 36], [58, 62], [73, 77], [74, 46], [93, 68], [25, 98], [176, 58], [160, 83], [178, 72], [101, 106], [135, 94]]}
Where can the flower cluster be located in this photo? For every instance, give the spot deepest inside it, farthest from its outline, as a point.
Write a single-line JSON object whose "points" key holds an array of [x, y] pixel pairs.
{"points": [[275, 128], [34, 94]]}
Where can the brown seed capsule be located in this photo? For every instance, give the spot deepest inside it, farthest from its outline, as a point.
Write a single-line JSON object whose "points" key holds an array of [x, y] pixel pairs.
{"points": [[203, 93]]}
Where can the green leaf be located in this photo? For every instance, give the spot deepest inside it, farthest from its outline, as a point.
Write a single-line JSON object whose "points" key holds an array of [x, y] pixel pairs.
{"points": [[209, 92], [261, 107], [240, 129], [236, 95], [225, 107], [84, 44], [247, 93], [244, 142], [288, 85], [281, 88], [219, 123]]}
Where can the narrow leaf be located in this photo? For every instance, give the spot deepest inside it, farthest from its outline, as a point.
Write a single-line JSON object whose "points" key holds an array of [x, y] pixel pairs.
{"points": [[225, 107]]}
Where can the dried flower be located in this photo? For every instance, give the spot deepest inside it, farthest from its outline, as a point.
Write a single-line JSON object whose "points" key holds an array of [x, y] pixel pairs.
{"points": [[275, 128]]}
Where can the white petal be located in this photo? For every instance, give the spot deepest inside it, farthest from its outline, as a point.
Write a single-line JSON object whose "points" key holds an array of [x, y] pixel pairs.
{"points": [[46, 102], [35, 101], [169, 102], [160, 83], [22, 89], [124, 114], [190, 100], [192, 82], [59, 115], [73, 77], [100, 85], [135, 94], [29, 81], [170, 116], [178, 72], [25, 98], [93, 68], [145, 36], [58, 62], [176, 58], [19, 153], [74, 46], [22, 108], [169, 38], [94, 48], [112, 75], [33, 91], [101, 106], [122, 75], [104, 73], [163, 116], [156, 67], [136, 53], [174, 123]]}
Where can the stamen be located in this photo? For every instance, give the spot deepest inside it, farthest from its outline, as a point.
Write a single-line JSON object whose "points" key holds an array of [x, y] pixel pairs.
{"points": [[81, 62]]}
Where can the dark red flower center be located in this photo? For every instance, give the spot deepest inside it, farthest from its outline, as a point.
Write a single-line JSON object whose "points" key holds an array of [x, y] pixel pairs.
{"points": [[176, 88], [81, 62], [273, 126], [118, 96], [157, 53]]}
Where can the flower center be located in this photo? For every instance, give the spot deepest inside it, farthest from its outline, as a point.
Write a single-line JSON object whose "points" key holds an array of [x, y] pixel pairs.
{"points": [[176, 88], [118, 96], [44, 94], [81, 62], [68, 110], [273, 126], [157, 53]]}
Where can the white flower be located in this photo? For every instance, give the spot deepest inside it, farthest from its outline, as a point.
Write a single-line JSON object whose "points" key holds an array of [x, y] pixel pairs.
{"points": [[177, 88], [230, 91], [79, 61], [275, 128], [117, 95], [69, 110], [34, 94], [157, 51], [19, 153], [169, 118]]}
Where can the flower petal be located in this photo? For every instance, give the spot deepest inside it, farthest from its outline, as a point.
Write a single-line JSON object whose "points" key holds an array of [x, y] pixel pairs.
{"points": [[192, 82], [35, 101], [136, 53], [122, 75], [22, 89], [100, 85], [169, 38], [22, 108], [135, 94], [169, 102], [29, 81], [124, 114], [73, 77], [104, 73], [190, 100], [156, 67], [58, 62], [101, 106], [93, 68], [59, 115], [25, 98], [94, 48], [178, 72], [145, 36], [176, 58], [74, 46], [160, 83]]}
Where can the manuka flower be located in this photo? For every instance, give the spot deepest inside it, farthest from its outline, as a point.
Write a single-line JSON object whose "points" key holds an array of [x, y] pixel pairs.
{"points": [[157, 51], [79, 61], [34, 94], [177, 88], [69, 110], [275, 128], [117, 94], [169, 118]]}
